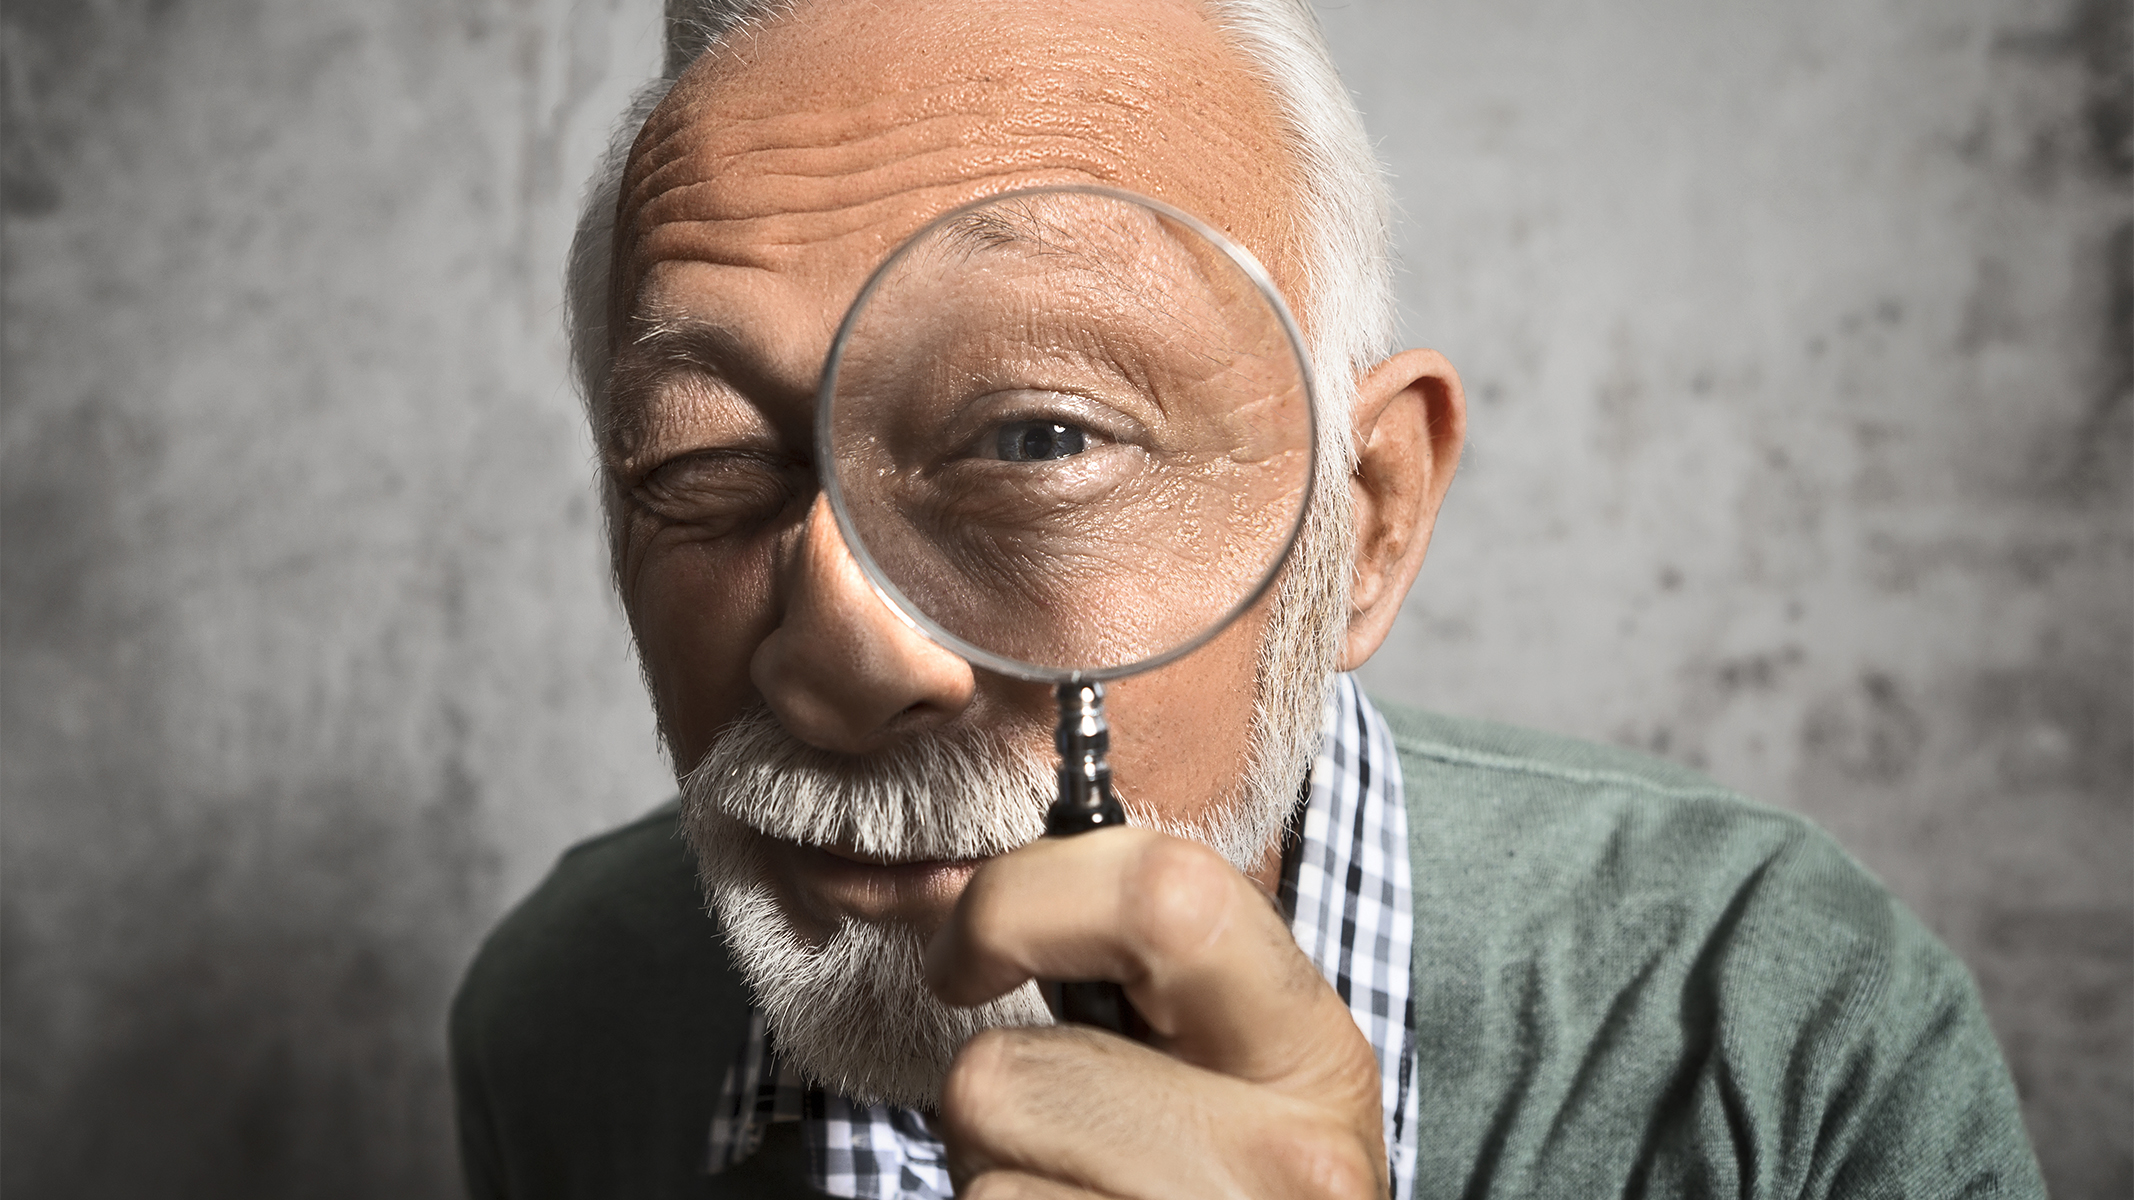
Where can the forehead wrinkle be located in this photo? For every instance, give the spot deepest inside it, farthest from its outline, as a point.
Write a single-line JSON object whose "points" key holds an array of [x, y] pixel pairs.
{"points": [[782, 243], [881, 150], [884, 135], [758, 156], [711, 128], [745, 219], [727, 198], [720, 121], [708, 135], [742, 220], [917, 84]]}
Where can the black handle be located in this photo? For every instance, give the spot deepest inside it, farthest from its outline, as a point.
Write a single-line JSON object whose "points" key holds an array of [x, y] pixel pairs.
{"points": [[1085, 803]]}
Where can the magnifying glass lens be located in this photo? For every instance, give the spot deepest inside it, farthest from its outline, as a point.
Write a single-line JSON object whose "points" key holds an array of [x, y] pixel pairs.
{"points": [[1069, 432]]}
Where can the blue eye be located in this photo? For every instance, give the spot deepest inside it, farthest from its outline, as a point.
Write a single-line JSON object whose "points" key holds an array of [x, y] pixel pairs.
{"points": [[1039, 441]]}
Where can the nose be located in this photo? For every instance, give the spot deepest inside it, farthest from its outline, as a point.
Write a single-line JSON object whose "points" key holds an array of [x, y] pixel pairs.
{"points": [[842, 671]]}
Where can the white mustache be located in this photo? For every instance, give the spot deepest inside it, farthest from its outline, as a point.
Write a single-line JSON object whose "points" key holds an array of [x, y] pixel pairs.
{"points": [[952, 794]]}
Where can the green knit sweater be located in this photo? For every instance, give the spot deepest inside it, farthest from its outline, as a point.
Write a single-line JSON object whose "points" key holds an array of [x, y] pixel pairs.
{"points": [[1628, 981]]}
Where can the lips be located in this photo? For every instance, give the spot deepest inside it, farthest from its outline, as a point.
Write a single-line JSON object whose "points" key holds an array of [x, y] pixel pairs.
{"points": [[834, 884]]}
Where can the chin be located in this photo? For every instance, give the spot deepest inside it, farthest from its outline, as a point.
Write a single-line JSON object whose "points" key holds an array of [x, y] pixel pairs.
{"points": [[849, 1010]]}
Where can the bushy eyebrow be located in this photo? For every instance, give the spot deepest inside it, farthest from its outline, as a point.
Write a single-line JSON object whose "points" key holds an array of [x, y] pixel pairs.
{"points": [[665, 340], [1016, 224], [663, 346], [1045, 228]]}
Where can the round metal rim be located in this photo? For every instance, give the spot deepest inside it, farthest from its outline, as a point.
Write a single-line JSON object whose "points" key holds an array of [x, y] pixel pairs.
{"points": [[912, 614]]}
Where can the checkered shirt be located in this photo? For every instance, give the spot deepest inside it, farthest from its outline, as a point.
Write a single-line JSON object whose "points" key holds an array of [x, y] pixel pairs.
{"points": [[1345, 884]]}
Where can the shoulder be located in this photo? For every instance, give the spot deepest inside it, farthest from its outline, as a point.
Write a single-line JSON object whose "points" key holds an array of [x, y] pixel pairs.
{"points": [[591, 1032], [1691, 990], [1492, 745], [1543, 821], [1546, 828], [626, 901], [625, 882]]}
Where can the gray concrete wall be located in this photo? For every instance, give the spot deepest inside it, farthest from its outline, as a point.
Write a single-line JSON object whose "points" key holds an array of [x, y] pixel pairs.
{"points": [[1798, 337]]}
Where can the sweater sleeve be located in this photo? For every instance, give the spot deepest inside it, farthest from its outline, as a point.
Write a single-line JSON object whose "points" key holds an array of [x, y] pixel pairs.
{"points": [[1630, 981], [1848, 1053]]}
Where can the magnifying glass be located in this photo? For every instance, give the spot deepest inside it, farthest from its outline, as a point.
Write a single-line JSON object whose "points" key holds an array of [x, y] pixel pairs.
{"points": [[1069, 434]]}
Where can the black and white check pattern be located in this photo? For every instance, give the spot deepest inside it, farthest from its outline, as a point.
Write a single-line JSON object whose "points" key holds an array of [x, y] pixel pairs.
{"points": [[1345, 883], [858, 1150], [1346, 887]]}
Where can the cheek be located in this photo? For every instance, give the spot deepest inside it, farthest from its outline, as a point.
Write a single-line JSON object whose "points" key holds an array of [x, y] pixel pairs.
{"points": [[699, 609], [1181, 735]]}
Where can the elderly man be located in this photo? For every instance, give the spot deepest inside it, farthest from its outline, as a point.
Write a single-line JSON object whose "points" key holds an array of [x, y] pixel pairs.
{"points": [[1436, 957]]}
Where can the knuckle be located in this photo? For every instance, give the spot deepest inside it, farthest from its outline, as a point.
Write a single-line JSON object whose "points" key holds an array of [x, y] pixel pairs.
{"points": [[1178, 894], [1326, 1160], [976, 1078], [995, 1076], [1348, 1176]]}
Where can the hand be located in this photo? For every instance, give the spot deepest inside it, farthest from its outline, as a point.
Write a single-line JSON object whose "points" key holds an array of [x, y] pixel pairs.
{"points": [[1257, 1081]]}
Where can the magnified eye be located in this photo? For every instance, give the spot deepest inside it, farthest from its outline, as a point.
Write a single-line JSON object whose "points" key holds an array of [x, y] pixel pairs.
{"points": [[1040, 441]]}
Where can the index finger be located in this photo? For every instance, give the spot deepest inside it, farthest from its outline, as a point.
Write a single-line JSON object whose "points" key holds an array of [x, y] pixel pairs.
{"points": [[1210, 964]]}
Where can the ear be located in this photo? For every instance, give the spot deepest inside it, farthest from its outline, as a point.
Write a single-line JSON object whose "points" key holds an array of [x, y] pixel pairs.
{"points": [[1410, 421]]}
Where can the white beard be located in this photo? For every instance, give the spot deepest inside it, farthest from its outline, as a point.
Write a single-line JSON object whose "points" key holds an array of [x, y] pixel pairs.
{"points": [[852, 1012]]}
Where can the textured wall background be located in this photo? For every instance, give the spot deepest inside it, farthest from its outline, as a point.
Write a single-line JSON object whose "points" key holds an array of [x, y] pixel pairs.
{"points": [[1799, 342]]}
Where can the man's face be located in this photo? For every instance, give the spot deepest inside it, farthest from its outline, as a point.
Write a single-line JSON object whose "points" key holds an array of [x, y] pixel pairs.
{"points": [[780, 171]]}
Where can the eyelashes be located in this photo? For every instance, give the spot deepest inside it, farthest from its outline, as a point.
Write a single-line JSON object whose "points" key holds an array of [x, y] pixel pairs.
{"points": [[719, 492], [1039, 441]]}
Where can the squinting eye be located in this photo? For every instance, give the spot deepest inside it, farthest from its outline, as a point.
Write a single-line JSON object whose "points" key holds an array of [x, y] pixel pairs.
{"points": [[1039, 441], [718, 493]]}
